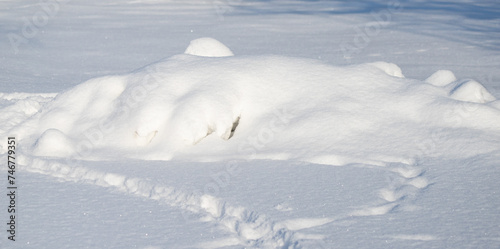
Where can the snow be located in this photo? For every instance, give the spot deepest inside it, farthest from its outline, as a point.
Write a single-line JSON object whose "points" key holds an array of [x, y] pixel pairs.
{"points": [[208, 47], [471, 91], [167, 109], [441, 78], [283, 124]]}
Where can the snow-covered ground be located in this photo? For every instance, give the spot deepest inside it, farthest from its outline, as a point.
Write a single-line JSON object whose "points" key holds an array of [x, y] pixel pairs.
{"points": [[303, 124]]}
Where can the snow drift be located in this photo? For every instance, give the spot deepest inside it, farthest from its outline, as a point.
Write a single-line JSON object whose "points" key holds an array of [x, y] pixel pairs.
{"points": [[268, 107]]}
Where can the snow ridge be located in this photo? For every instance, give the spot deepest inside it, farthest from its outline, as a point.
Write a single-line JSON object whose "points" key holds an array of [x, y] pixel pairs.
{"points": [[248, 227]]}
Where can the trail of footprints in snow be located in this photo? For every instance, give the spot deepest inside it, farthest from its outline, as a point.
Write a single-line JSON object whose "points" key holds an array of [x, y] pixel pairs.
{"points": [[408, 182], [247, 228]]}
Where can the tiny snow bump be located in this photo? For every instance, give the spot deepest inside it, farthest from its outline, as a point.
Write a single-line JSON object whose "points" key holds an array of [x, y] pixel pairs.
{"points": [[409, 172], [471, 91], [441, 78], [378, 210], [388, 195], [419, 182], [53, 142], [208, 47], [389, 68], [283, 207]]}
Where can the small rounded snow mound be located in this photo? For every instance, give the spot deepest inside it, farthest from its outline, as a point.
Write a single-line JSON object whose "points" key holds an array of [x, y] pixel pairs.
{"points": [[53, 142], [441, 78], [471, 91], [389, 68], [208, 47]]}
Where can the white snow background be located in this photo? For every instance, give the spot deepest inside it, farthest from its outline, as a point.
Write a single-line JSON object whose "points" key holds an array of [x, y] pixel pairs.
{"points": [[298, 124]]}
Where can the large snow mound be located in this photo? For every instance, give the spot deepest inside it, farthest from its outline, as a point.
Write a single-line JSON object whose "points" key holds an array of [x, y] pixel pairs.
{"points": [[264, 107]]}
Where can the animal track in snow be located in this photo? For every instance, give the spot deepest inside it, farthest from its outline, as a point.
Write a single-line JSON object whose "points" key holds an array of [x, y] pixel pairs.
{"points": [[408, 182], [248, 228]]}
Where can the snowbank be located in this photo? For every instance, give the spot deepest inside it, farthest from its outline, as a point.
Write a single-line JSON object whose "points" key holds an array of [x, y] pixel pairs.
{"points": [[268, 107]]}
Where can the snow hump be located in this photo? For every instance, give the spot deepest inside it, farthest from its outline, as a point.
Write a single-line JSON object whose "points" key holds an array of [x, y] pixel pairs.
{"points": [[208, 47], [265, 107], [441, 78], [471, 91], [389, 68]]}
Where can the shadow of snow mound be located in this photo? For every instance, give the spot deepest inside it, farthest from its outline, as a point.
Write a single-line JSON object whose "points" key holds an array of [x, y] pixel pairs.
{"points": [[267, 107]]}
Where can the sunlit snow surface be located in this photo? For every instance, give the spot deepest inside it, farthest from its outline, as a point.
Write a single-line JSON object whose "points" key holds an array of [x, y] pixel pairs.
{"points": [[213, 149], [266, 107]]}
